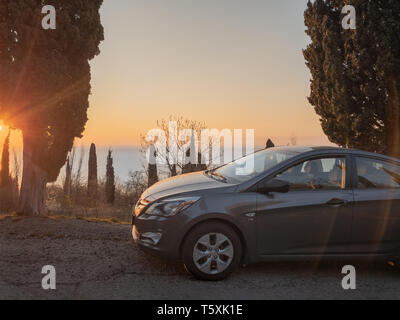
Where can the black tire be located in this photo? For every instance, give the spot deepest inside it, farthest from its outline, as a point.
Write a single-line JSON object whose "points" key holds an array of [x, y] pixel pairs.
{"points": [[203, 230]]}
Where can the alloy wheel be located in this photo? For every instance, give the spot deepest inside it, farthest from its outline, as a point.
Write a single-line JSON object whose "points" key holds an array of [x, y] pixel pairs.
{"points": [[213, 253]]}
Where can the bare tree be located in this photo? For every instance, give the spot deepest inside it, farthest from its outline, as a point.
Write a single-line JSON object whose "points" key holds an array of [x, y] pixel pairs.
{"points": [[136, 185], [177, 147]]}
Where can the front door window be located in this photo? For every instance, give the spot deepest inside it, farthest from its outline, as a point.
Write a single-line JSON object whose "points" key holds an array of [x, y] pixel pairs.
{"points": [[316, 174]]}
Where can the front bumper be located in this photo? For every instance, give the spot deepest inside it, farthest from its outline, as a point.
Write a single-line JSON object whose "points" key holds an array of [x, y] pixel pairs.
{"points": [[159, 237]]}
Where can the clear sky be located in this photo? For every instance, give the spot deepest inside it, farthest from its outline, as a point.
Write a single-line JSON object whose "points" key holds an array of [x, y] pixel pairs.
{"points": [[229, 63]]}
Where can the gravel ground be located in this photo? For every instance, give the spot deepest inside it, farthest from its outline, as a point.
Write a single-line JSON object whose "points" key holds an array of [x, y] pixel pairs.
{"points": [[100, 261]]}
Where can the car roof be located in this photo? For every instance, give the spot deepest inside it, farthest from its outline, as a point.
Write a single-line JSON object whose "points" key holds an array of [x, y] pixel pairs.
{"points": [[327, 149]]}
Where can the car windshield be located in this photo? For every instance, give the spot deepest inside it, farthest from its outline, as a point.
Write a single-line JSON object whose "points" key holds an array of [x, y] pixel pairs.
{"points": [[244, 169]]}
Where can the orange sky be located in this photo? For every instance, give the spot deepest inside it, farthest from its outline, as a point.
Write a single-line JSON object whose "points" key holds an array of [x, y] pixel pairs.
{"points": [[230, 64]]}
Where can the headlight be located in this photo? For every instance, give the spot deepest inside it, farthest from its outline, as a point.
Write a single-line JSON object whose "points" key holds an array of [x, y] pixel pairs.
{"points": [[170, 207], [141, 204]]}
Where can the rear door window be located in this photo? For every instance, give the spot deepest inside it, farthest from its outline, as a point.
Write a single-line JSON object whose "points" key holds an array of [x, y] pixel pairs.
{"points": [[377, 174]]}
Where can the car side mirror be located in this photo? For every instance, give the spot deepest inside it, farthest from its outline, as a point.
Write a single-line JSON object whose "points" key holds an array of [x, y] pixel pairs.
{"points": [[274, 185]]}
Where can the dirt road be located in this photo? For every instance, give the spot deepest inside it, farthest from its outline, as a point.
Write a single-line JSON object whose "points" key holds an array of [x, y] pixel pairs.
{"points": [[100, 261]]}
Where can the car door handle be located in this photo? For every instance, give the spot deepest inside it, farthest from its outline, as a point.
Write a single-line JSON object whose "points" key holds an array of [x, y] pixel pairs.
{"points": [[336, 202]]}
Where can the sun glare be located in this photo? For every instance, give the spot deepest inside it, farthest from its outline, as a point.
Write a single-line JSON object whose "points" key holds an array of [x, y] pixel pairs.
{"points": [[1, 128]]}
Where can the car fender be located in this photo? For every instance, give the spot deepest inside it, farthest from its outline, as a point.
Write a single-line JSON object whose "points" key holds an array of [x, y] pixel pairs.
{"points": [[245, 227]]}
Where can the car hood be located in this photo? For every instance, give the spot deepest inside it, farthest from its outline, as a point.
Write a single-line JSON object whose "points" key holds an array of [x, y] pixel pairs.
{"points": [[181, 184]]}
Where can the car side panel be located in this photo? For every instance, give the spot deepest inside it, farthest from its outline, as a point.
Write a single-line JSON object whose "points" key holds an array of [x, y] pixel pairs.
{"points": [[303, 223], [376, 224]]}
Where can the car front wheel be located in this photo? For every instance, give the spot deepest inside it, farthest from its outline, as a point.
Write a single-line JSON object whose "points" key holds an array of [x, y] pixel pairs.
{"points": [[212, 251]]}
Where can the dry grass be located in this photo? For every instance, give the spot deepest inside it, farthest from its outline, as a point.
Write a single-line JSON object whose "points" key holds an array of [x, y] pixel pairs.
{"points": [[101, 213], [89, 219], [7, 215], [108, 216]]}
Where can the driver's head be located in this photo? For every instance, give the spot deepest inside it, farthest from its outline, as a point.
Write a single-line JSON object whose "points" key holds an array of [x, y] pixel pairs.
{"points": [[311, 167]]}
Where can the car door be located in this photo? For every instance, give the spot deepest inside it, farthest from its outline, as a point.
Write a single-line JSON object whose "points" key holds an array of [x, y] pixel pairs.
{"points": [[313, 215], [376, 225]]}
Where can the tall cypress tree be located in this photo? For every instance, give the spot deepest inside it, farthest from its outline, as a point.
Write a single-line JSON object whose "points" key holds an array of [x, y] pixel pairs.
{"points": [[45, 84], [269, 144], [152, 167], [355, 84], [110, 179], [92, 175]]}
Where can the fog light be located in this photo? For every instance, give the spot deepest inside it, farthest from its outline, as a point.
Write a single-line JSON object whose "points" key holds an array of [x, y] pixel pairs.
{"points": [[152, 238]]}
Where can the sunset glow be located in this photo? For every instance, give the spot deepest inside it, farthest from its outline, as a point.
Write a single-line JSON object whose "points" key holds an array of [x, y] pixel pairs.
{"points": [[222, 64], [240, 67], [227, 69]]}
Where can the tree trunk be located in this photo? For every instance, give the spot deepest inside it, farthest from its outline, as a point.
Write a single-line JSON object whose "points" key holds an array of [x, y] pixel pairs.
{"points": [[393, 130], [33, 186]]}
